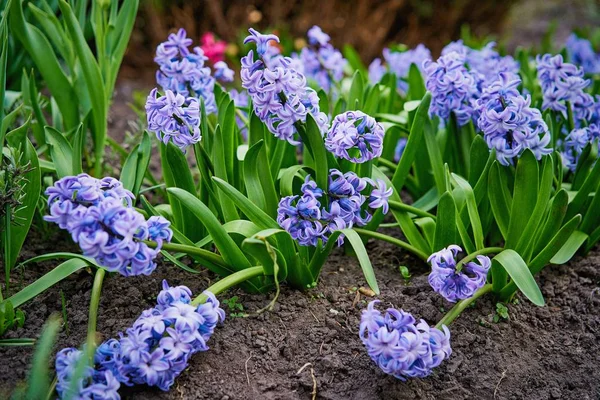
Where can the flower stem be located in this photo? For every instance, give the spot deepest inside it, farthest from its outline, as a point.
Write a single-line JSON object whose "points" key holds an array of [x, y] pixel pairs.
{"points": [[228, 282], [193, 251], [570, 119], [472, 256], [387, 163], [241, 116], [461, 305], [93, 315], [399, 206], [392, 240]]}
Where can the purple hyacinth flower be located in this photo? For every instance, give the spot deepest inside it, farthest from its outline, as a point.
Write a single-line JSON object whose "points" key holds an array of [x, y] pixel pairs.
{"points": [[355, 136], [454, 284], [400, 346]]}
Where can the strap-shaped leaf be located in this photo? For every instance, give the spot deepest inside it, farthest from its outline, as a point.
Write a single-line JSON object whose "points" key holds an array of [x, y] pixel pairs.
{"points": [[355, 95], [230, 252], [512, 262], [416, 85], [590, 185], [254, 213], [554, 220], [176, 173], [40, 50], [362, 256], [259, 184], [47, 281], [526, 242], [61, 152], [412, 145], [136, 165], [435, 157], [472, 209], [313, 139], [24, 215], [445, 226], [568, 250], [38, 384], [93, 81], [220, 163], [524, 197], [498, 200]]}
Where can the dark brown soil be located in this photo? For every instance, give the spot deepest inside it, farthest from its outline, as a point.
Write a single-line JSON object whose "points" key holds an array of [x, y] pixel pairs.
{"points": [[540, 353]]}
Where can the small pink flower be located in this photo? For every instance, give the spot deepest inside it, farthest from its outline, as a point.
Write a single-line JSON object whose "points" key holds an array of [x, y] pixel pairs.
{"points": [[213, 49]]}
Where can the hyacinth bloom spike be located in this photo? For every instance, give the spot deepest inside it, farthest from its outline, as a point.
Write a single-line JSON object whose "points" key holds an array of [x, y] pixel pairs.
{"points": [[154, 351], [278, 90], [98, 214], [508, 122], [355, 136], [453, 283], [582, 53], [307, 220], [399, 345], [399, 64]]}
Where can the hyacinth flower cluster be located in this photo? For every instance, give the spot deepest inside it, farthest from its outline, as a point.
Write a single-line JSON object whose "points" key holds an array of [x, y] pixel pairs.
{"points": [[321, 61], [575, 142], [486, 62], [564, 83], [99, 215], [508, 122], [453, 87], [399, 64], [399, 345], [581, 53], [308, 221], [455, 281], [183, 71], [174, 118], [355, 136], [279, 93], [153, 351]]}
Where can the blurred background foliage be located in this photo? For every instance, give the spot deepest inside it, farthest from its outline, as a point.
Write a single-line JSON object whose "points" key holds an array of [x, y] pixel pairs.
{"points": [[367, 25]]}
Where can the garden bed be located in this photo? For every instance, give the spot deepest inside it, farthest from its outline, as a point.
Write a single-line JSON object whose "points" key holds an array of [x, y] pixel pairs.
{"points": [[543, 353]]}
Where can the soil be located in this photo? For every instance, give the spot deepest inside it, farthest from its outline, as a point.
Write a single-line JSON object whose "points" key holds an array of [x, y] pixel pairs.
{"points": [[539, 353]]}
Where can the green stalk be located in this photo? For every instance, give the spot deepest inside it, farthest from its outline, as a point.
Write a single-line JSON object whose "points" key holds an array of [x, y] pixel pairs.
{"points": [[387, 163], [228, 282], [399, 206], [570, 119], [472, 256], [461, 305], [93, 315], [7, 255], [392, 240], [191, 250]]}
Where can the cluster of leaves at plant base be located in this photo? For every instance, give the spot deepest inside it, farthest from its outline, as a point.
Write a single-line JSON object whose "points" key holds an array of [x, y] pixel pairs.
{"points": [[10, 318]]}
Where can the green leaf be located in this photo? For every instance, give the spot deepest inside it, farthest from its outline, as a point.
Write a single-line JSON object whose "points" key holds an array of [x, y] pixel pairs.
{"points": [[78, 150], [231, 253], [94, 84], [413, 143], [554, 220], [355, 95], [445, 227], [254, 213], [268, 256], [527, 240], [589, 185], [524, 197], [435, 158], [568, 250], [220, 163], [512, 262], [38, 381], [353, 58], [472, 209], [47, 281], [259, 184], [498, 199], [416, 85], [313, 139], [480, 154], [41, 52], [177, 173], [24, 215], [61, 152], [363, 258], [136, 165]]}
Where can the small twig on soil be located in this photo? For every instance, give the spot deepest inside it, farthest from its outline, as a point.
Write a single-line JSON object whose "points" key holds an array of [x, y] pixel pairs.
{"points": [[246, 367], [312, 375], [356, 299], [321, 348], [498, 385], [314, 316]]}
